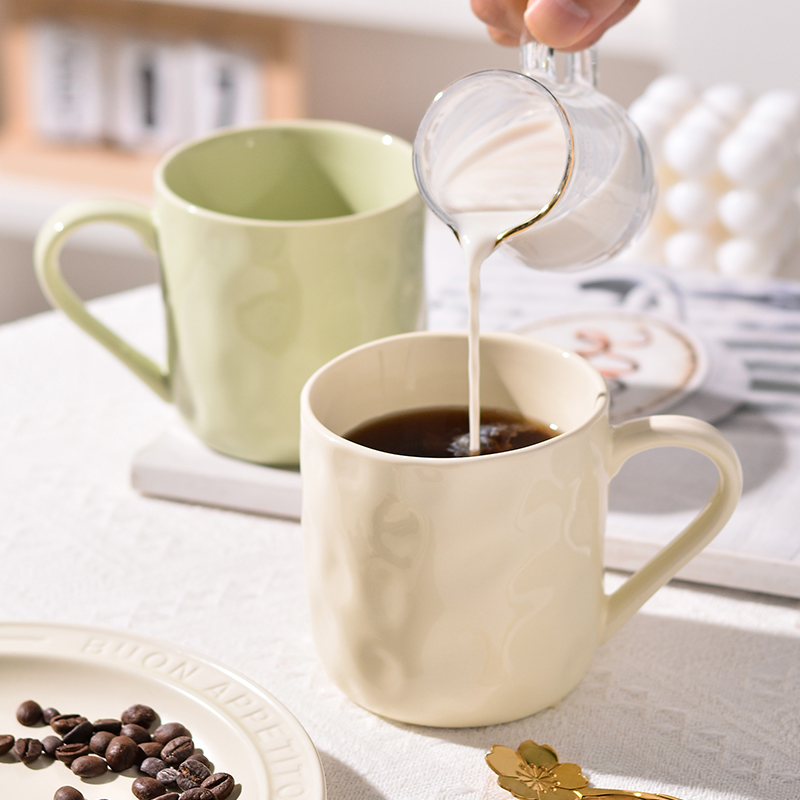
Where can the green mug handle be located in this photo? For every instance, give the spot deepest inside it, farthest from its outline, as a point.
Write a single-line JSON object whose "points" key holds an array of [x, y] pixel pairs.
{"points": [[673, 431], [47, 250]]}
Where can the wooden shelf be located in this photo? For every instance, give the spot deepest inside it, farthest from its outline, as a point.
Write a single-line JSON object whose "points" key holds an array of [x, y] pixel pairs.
{"points": [[105, 168], [440, 17], [276, 44]]}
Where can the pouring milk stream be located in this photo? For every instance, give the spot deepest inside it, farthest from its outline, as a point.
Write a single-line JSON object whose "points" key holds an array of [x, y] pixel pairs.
{"points": [[556, 171]]}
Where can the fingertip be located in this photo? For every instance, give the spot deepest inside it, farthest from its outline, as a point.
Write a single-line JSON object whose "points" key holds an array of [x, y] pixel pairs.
{"points": [[583, 42], [501, 37], [503, 18], [557, 23]]}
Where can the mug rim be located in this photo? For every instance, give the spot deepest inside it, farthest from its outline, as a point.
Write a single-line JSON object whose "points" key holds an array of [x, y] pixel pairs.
{"points": [[309, 418], [165, 190]]}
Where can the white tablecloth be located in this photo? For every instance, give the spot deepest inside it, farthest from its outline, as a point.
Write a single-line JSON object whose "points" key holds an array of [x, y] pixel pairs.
{"points": [[698, 696]]}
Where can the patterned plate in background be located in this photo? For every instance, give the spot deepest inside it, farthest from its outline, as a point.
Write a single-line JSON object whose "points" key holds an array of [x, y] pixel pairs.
{"points": [[650, 364]]}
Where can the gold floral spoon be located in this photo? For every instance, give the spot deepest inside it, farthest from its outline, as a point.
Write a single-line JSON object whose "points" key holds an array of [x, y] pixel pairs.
{"points": [[533, 772]]}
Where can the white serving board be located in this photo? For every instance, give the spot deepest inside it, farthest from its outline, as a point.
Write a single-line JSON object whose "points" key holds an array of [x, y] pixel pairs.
{"points": [[177, 466]]}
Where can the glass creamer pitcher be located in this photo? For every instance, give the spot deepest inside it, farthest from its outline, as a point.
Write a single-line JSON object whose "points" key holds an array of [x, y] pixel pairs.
{"points": [[554, 170]]}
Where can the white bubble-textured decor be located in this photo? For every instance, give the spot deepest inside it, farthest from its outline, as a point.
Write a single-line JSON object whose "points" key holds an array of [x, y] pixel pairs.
{"points": [[728, 172]]}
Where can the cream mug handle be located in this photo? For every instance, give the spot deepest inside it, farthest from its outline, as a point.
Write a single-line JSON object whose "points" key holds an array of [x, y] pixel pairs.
{"points": [[673, 431], [47, 250]]}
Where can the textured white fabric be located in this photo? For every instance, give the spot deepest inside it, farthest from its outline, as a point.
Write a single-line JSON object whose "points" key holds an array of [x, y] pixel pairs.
{"points": [[698, 696]]}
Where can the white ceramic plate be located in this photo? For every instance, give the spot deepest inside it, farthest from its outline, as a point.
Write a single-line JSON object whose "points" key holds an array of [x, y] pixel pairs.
{"points": [[241, 728]]}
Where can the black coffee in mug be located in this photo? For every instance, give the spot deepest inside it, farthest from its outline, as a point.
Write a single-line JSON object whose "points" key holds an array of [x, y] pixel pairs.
{"points": [[443, 432]]}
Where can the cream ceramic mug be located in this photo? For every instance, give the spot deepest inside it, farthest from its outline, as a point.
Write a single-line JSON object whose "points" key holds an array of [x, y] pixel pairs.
{"points": [[469, 591], [281, 246]]}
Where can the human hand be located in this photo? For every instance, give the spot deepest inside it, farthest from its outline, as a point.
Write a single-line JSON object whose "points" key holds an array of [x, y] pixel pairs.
{"points": [[562, 24]]}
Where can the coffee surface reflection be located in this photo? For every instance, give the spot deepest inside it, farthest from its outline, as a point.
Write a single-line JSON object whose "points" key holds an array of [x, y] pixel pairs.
{"points": [[443, 432]]}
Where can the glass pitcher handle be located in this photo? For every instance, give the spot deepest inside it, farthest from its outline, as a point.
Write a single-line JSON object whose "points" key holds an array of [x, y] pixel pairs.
{"points": [[536, 58], [539, 59]]}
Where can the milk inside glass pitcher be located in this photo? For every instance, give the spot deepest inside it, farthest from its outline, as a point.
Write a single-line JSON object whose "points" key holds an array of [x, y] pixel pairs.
{"points": [[554, 170]]}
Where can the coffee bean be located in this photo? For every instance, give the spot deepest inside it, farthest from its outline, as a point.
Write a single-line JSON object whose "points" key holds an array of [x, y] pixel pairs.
{"points": [[111, 725], [29, 713], [89, 766], [177, 750], [198, 755], [191, 773], [28, 750], [197, 794], [167, 756], [135, 732], [64, 723], [121, 753], [147, 788], [152, 766], [50, 745], [167, 776], [139, 715], [151, 749], [67, 753], [68, 793], [99, 742], [220, 784], [82, 732], [170, 730]]}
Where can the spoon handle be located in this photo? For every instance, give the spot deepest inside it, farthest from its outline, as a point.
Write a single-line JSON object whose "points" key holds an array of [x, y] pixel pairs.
{"points": [[620, 794]]}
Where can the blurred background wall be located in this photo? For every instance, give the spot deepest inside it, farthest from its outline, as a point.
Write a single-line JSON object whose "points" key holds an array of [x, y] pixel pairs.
{"points": [[377, 64]]}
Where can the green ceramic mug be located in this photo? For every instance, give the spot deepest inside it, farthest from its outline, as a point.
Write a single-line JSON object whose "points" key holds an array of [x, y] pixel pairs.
{"points": [[281, 246]]}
